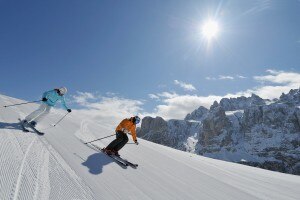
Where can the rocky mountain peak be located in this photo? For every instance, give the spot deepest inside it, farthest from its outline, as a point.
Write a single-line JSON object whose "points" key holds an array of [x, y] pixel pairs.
{"points": [[241, 103], [197, 114], [293, 97], [215, 105]]}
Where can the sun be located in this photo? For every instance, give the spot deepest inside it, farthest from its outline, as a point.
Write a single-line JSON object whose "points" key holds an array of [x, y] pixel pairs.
{"points": [[210, 29]]}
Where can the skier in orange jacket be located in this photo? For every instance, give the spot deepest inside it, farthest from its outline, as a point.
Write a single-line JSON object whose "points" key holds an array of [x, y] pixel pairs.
{"points": [[126, 126]]}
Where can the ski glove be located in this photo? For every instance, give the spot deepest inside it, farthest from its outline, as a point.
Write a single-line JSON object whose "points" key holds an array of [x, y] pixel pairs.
{"points": [[69, 110], [136, 142], [44, 99]]}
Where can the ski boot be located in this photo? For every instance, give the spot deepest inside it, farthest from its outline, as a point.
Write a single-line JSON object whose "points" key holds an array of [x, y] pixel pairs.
{"points": [[108, 151], [116, 153]]}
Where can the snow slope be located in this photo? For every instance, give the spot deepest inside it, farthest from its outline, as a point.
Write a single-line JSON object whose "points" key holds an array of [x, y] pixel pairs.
{"points": [[59, 166]]}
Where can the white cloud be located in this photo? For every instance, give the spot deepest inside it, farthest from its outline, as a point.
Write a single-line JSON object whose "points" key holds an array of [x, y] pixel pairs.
{"points": [[185, 86], [241, 77], [280, 77], [110, 94], [106, 110], [270, 92], [167, 94], [272, 71], [210, 78], [153, 96], [280, 82], [222, 77], [178, 107], [83, 98]]}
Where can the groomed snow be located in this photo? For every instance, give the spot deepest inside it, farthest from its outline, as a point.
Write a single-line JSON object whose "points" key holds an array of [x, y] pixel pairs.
{"points": [[59, 166]]}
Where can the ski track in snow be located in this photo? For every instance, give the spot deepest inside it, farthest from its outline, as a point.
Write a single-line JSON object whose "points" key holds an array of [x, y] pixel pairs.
{"points": [[18, 184], [30, 168]]}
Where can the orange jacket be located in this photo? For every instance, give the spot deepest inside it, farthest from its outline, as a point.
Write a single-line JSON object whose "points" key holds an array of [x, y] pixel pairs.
{"points": [[127, 126]]}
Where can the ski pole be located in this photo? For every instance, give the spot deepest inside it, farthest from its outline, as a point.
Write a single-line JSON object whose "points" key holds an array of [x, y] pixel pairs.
{"points": [[61, 119], [22, 103], [100, 139]]}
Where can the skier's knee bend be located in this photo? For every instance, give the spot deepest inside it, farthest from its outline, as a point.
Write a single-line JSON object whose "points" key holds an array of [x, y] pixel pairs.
{"points": [[126, 139]]}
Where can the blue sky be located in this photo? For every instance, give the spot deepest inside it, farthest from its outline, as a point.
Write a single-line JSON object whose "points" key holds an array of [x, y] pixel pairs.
{"points": [[148, 56]]}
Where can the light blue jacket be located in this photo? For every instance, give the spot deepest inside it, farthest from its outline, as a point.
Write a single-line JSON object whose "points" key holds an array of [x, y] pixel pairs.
{"points": [[52, 97]]}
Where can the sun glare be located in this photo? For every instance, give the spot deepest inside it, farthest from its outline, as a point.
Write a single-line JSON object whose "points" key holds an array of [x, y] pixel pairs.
{"points": [[210, 29]]}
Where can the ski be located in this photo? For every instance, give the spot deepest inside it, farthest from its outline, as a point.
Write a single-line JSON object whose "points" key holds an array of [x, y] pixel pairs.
{"points": [[23, 126], [35, 130], [121, 161], [131, 164], [30, 126], [119, 158], [128, 162], [118, 161]]}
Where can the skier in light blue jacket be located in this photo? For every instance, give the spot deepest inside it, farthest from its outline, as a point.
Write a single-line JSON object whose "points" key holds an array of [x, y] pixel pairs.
{"points": [[49, 99]]}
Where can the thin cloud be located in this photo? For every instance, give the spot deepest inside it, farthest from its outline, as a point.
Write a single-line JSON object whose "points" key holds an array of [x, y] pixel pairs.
{"points": [[241, 77], [168, 94], [210, 78], [259, 6], [185, 86], [153, 96], [222, 77]]}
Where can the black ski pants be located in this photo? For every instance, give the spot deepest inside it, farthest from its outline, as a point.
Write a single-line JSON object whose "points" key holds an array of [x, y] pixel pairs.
{"points": [[119, 142]]}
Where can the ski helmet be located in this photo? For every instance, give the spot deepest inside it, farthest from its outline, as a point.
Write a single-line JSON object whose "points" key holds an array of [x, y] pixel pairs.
{"points": [[63, 90], [136, 119]]}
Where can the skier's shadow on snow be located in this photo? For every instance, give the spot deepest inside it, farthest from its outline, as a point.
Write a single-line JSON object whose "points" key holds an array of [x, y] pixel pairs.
{"points": [[96, 161], [4, 125]]}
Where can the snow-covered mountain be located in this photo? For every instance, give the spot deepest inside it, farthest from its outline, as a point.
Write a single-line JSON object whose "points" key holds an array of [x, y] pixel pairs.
{"points": [[172, 133], [59, 166], [248, 130]]}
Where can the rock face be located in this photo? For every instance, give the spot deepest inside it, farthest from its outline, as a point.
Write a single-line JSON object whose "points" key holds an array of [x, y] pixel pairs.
{"points": [[243, 130], [172, 133], [293, 97], [215, 125], [197, 115], [241, 103]]}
